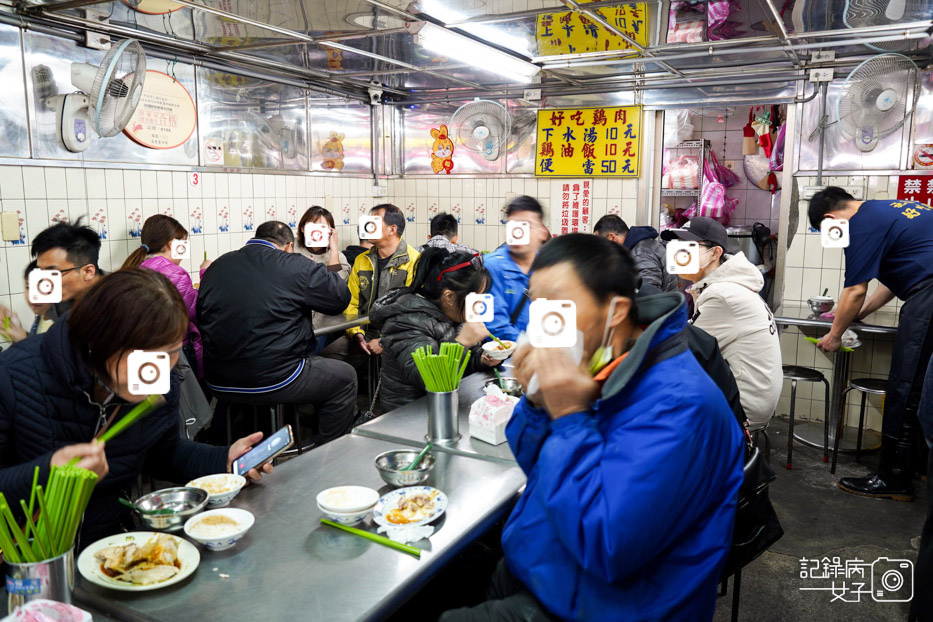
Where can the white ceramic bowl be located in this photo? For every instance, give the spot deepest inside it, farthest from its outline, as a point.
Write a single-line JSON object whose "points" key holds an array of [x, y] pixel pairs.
{"points": [[347, 499], [219, 538], [222, 487], [346, 518], [489, 349]]}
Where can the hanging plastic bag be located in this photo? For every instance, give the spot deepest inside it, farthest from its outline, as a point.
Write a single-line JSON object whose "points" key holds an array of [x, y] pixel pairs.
{"points": [[681, 173], [777, 153], [726, 177], [717, 12], [677, 128], [749, 137], [712, 199]]}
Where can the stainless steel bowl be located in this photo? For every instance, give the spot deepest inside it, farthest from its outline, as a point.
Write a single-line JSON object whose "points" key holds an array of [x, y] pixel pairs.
{"points": [[186, 502], [821, 304], [512, 386], [391, 463]]}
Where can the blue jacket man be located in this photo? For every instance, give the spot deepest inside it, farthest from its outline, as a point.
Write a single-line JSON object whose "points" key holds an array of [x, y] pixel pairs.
{"points": [[510, 267], [629, 508]]}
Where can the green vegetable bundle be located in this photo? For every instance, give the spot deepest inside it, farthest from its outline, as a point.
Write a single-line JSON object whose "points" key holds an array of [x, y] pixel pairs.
{"points": [[61, 505], [441, 372]]}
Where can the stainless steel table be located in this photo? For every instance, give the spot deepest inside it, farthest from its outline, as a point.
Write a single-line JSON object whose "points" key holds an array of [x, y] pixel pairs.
{"points": [[409, 424], [879, 323], [291, 567]]}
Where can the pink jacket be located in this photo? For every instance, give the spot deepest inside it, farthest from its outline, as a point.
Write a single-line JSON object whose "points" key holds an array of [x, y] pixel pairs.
{"points": [[182, 282]]}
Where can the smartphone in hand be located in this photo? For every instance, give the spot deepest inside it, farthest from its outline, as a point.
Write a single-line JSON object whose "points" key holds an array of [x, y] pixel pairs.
{"points": [[265, 451]]}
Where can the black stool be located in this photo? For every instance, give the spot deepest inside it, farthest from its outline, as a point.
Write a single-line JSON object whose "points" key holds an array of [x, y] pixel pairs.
{"points": [[865, 386], [796, 373], [276, 414]]}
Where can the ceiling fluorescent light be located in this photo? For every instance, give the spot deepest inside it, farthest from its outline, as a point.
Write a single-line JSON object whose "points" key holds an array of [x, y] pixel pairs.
{"points": [[498, 34], [464, 49]]}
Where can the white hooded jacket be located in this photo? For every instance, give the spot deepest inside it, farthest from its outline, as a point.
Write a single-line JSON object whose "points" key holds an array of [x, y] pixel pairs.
{"points": [[729, 308]]}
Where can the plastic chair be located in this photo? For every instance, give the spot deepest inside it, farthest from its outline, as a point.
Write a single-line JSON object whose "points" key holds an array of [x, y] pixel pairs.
{"points": [[796, 373], [865, 386]]}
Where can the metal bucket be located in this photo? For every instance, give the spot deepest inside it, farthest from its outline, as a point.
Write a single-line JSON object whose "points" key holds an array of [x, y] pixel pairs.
{"points": [[443, 420], [53, 579]]}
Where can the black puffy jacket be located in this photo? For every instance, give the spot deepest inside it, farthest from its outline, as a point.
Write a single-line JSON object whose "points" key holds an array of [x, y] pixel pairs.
{"points": [[46, 403], [409, 322]]}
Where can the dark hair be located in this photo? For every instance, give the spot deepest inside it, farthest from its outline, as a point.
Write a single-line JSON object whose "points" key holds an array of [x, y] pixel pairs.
{"points": [[524, 203], [610, 223], [826, 200], [444, 224], [461, 282], [33, 265], [391, 215], [606, 269], [127, 310], [276, 232], [311, 215], [158, 230], [80, 243]]}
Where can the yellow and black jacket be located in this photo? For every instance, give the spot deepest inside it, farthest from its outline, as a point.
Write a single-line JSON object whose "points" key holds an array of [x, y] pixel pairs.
{"points": [[366, 286]]}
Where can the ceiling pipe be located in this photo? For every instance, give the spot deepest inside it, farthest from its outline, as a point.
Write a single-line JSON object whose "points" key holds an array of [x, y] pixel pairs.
{"points": [[779, 20]]}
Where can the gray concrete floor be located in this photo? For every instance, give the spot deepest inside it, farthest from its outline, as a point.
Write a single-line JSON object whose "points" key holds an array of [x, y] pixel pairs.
{"points": [[820, 520]]}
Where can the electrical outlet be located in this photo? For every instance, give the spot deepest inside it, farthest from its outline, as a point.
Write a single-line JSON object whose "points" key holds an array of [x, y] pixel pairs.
{"points": [[821, 75], [329, 203], [380, 191], [731, 164], [532, 95], [823, 57], [94, 40], [9, 224]]}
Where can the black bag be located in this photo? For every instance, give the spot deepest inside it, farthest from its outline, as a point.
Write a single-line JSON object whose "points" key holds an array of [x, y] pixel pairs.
{"points": [[756, 523]]}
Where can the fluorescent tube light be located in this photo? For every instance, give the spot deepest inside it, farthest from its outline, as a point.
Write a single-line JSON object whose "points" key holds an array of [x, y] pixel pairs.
{"points": [[453, 45], [498, 34]]}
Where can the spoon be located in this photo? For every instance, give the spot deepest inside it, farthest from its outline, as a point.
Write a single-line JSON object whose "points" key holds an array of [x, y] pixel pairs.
{"points": [[825, 291], [499, 376], [418, 459], [142, 511]]}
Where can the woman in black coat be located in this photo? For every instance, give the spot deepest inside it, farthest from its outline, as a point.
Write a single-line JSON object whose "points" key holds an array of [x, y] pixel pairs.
{"points": [[59, 391], [428, 313]]}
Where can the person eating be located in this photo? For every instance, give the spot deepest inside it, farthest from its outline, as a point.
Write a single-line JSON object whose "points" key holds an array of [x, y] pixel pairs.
{"points": [[633, 473], [60, 391]]}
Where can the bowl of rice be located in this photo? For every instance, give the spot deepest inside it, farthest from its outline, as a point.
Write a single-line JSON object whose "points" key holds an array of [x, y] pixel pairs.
{"points": [[219, 530], [222, 487], [497, 351]]}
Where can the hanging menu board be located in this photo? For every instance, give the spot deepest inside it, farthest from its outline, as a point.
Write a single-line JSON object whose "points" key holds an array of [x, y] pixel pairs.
{"points": [[588, 142], [165, 117], [573, 199], [572, 32]]}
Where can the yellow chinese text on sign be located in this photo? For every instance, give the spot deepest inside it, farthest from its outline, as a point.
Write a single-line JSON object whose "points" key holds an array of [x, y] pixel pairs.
{"points": [[570, 33], [597, 142]]}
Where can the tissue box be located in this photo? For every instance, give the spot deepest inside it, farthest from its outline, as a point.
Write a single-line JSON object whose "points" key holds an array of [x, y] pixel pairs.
{"points": [[490, 414]]}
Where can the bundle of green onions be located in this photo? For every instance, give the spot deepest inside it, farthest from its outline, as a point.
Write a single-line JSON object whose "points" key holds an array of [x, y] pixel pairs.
{"points": [[441, 372], [61, 505]]}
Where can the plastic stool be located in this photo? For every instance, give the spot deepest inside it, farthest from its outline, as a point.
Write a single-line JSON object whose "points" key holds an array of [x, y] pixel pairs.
{"points": [[796, 373], [865, 386]]}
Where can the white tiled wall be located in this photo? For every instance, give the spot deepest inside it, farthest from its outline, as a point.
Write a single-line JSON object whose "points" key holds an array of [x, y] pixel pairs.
{"points": [[809, 270], [220, 213]]}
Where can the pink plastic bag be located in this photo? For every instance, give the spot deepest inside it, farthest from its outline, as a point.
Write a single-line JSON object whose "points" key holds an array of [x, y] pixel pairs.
{"points": [[713, 200], [681, 173], [777, 152], [726, 177]]}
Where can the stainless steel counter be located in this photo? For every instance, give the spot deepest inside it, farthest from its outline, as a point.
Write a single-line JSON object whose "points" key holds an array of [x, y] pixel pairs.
{"points": [[409, 424], [879, 322], [291, 567]]}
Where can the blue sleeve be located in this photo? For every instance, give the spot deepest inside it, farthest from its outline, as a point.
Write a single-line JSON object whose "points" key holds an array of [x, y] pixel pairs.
{"points": [[503, 304], [526, 432], [616, 504]]}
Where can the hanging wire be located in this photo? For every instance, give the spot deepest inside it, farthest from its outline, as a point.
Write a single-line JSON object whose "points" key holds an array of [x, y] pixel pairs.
{"points": [[170, 68]]}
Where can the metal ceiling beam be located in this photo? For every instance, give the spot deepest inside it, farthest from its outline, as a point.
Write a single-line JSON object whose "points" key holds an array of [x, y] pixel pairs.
{"points": [[507, 17], [259, 45], [245, 20], [783, 30], [599, 19]]}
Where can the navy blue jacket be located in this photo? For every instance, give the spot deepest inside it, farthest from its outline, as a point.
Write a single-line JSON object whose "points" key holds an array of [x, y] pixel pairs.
{"points": [[46, 403], [629, 507]]}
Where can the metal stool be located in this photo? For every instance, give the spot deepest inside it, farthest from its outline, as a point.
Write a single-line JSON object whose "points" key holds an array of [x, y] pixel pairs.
{"points": [[796, 373], [276, 414], [865, 386]]}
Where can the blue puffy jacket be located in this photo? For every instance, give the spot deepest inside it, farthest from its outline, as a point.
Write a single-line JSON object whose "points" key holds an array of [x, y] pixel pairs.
{"points": [[46, 403], [629, 508], [508, 288]]}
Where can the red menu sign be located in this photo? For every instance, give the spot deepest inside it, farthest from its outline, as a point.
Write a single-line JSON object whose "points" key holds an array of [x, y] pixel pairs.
{"points": [[575, 200], [918, 188]]}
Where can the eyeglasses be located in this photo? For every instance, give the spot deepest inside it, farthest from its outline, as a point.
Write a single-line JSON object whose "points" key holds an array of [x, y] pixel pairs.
{"points": [[476, 262], [67, 270]]}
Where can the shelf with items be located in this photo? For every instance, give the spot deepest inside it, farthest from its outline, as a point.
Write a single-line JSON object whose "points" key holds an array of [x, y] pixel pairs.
{"points": [[703, 148]]}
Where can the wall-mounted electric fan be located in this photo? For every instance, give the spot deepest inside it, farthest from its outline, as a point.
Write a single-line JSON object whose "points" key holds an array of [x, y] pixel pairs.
{"points": [[108, 96], [481, 126], [877, 99], [273, 134]]}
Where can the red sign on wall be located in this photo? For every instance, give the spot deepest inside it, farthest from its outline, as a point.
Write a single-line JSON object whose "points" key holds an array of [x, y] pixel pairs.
{"points": [[915, 188]]}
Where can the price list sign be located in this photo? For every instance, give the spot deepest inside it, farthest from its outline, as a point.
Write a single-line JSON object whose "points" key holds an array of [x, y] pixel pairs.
{"points": [[573, 32], [588, 142]]}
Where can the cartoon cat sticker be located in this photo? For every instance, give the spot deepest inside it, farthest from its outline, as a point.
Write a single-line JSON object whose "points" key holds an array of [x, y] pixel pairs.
{"points": [[442, 151], [332, 152]]}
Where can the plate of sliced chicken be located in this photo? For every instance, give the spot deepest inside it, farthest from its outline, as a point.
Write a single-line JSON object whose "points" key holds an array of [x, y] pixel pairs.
{"points": [[415, 505], [138, 561]]}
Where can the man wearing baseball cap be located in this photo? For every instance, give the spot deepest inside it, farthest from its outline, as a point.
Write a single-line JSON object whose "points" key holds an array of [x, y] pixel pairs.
{"points": [[729, 308]]}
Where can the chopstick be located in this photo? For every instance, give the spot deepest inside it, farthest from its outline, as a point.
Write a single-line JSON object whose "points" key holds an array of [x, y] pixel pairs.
{"points": [[499, 341], [392, 544]]}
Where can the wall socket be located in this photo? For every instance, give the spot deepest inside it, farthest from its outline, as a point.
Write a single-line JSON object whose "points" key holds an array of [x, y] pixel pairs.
{"points": [[732, 165], [821, 75], [9, 224], [380, 191]]}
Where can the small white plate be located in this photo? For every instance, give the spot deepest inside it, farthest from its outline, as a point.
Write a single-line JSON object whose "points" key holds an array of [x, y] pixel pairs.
{"points": [[90, 568], [389, 502]]}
